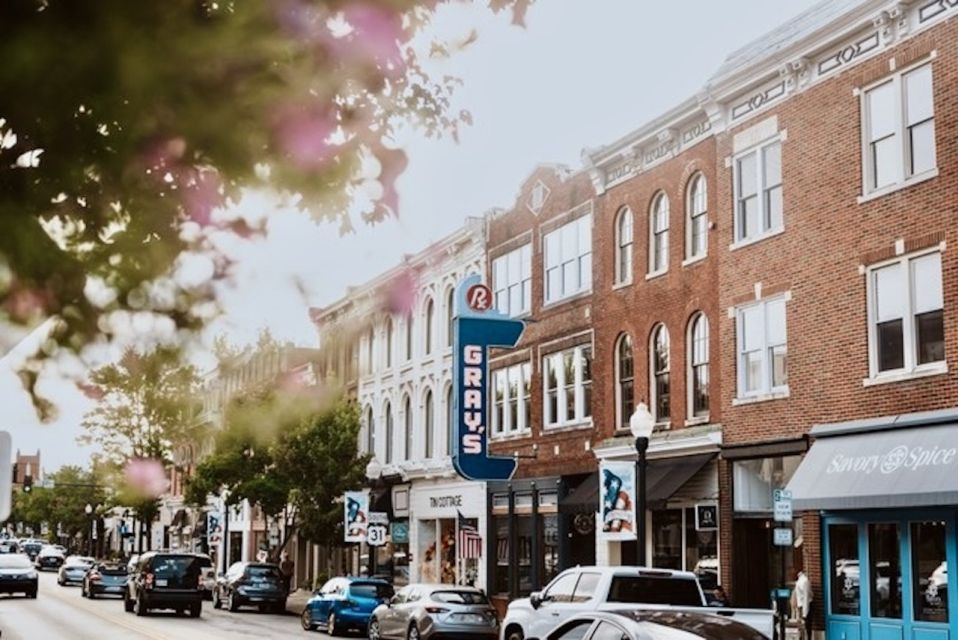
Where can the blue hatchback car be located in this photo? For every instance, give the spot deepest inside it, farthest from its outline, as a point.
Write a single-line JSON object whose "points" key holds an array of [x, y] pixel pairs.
{"points": [[345, 603]]}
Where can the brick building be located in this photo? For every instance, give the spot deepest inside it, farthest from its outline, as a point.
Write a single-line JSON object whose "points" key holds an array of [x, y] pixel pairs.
{"points": [[25, 465]]}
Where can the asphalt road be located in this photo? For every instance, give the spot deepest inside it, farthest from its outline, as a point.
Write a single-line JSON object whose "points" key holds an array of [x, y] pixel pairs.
{"points": [[61, 613]]}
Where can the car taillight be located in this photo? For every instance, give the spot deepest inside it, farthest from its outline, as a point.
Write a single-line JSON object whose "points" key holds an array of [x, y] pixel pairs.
{"points": [[148, 581], [437, 610]]}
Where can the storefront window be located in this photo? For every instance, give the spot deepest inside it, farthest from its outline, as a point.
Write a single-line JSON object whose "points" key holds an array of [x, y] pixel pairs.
{"points": [[667, 539], [756, 479], [447, 551], [524, 524], [550, 531], [884, 567], [845, 576], [929, 571], [501, 577], [701, 552], [428, 561]]}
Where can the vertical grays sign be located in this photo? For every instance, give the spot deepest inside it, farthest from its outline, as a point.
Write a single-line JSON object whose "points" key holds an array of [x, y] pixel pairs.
{"points": [[477, 326]]}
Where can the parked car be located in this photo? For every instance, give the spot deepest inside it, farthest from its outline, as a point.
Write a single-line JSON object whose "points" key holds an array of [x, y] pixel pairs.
{"points": [[257, 584], [345, 603], [9, 546], [31, 548], [49, 558], [584, 589], [17, 575], [650, 625], [73, 570], [164, 580], [105, 579], [434, 611], [207, 576]]}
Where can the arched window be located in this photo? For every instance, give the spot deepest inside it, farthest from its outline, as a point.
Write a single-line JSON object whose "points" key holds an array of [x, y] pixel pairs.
{"points": [[429, 424], [450, 310], [451, 426], [699, 366], [409, 338], [623, 246], [389, 342], [625, 380], [407, 428], [370, 342], [659, 234], [696, 222], [370, 428], [430, 328], [389, 433], [661, 408]]}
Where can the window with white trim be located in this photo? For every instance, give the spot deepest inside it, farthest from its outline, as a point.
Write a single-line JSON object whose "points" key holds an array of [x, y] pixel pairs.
{"points": [[568, 386], [370, 344], [661, 370], [906, 314], [429, 424], [451, 426], [696, 221], [568, 260], [899, 128], [388, 331], [762, 348], [430, 326], [512, 387], [659, 234], [369, 425], [758, 192], [624, 240], [699, 366], [388, 454], [407, 428], [408, 342], [512, 281], [625, 380], [450, 310]]}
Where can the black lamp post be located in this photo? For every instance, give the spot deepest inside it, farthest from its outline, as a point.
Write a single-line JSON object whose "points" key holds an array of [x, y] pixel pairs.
{"points": [[89, 511], [641, 424]]}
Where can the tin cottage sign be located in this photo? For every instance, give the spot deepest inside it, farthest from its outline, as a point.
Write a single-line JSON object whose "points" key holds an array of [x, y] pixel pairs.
{"points": [[477, 326]]}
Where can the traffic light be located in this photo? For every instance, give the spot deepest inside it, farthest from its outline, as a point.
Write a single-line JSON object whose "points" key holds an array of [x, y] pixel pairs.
{"points": [[27, 484]]}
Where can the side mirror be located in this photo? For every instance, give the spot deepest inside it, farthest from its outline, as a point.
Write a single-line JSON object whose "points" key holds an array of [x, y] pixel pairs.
{"points": [[535, 599]]}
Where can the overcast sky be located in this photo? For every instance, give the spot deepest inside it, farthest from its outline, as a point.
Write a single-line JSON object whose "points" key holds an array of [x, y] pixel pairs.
{"points": [[582, 73]]}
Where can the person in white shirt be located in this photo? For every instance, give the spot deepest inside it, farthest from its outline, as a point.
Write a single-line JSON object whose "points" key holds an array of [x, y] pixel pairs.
{"points": [[803, 604]]}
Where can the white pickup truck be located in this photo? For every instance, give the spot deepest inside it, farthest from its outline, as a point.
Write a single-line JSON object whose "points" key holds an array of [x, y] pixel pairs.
{"points": [[613, 589]]}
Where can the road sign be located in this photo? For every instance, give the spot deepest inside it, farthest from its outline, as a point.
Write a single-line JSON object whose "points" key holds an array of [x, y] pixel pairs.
{"points": [[782, 537], [6, 475], [376, 535], [782, 502], [378, 517]]}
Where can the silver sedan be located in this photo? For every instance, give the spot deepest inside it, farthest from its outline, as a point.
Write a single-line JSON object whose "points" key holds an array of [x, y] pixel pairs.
{"points": [[435, 612]]}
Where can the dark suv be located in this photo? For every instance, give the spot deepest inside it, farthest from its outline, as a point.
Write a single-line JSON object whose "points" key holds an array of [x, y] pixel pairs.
{"points": [[163, 580], [257, 584]]}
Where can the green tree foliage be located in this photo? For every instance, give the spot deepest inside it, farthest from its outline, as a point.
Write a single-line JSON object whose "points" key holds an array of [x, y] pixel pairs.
{"points": [[125, 125], [64, 503], [146, 406]]}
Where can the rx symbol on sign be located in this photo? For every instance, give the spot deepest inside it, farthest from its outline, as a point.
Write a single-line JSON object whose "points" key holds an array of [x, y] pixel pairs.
{"points": [[479, 297]]}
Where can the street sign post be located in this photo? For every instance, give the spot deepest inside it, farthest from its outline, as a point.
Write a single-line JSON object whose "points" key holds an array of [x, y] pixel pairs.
{"points": [[782, 505], [6, 475], [782, 537]]}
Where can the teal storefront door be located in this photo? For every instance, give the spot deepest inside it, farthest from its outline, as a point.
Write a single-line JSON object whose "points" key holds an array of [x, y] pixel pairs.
{"points": [[886, 575]]}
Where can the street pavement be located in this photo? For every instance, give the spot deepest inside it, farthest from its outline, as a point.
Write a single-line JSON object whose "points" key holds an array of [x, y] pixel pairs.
{"points": [[62, 613]]}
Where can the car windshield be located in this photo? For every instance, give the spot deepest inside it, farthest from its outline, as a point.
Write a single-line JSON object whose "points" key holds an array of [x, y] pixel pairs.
{"points": [[654, 590], [111, 569], [50, 551], [460, 597], [263, 574], [176, 571], [376, 590], [15, 561], [79, 561]]}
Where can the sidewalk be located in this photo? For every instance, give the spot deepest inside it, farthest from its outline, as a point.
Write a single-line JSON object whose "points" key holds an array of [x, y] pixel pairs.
{"points": [[296, 601]]}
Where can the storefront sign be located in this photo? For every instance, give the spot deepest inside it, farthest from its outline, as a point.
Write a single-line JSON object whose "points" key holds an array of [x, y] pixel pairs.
{"points": [[445, 502], [706, 517], [617, 500], [782, 537], [477, 326], [356, 506], [901, 457], [399, 532], [782, 505]]}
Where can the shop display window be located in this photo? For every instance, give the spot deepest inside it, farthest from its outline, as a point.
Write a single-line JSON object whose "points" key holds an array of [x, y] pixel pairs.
{"points": [[929, 571], [754, 481], [846, 572]]}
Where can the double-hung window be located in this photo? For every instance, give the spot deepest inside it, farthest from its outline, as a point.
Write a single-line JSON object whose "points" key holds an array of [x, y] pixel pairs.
{"points": [[568, 386], [758, 192], [899, 129], [623, 247], [511, 399], [762, 348], [568, 260], [512, 281], [659, 234], [906, 319], [696, 223]]}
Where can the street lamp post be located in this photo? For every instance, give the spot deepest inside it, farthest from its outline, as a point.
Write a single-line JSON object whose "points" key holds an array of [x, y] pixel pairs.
{"points": [[89, 511], [641, 425]]}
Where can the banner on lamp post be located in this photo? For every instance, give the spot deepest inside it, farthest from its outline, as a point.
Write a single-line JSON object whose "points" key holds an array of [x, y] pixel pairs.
{"points": [[617, 513], [356, 506]]}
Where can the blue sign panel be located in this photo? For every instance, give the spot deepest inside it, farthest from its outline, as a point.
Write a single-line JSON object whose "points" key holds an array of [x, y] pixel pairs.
{"points": [[478, 326]]}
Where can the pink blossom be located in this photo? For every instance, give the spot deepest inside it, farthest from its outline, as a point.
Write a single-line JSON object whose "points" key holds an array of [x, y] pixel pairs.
{"points": [[202, 193], [400, 296], [92, 391], [303, 133], [146, 476]]}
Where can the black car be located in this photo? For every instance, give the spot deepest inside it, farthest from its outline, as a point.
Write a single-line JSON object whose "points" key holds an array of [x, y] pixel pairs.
{"points": [[31, 548], [165, 580], [105, 579], [49, 558], [257, 584], [17, 575]]}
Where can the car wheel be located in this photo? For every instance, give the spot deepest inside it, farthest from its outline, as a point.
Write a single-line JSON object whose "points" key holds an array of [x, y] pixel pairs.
{"points": [[231, 603], [90, 595], [331, 624], [139, 608], [217, 601], [514, 633], [373, 631], [413, 633], [32, 595], [196, 609], [279, 608], [127, 603], [307, 620]]}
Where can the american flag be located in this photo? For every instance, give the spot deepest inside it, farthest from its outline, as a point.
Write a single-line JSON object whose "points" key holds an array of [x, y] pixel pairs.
{"points": [[470, 542]]}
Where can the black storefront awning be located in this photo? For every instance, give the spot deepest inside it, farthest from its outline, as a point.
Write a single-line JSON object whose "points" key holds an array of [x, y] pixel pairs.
{"points": [[179, 519], [897, 466], [664, 476]]}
